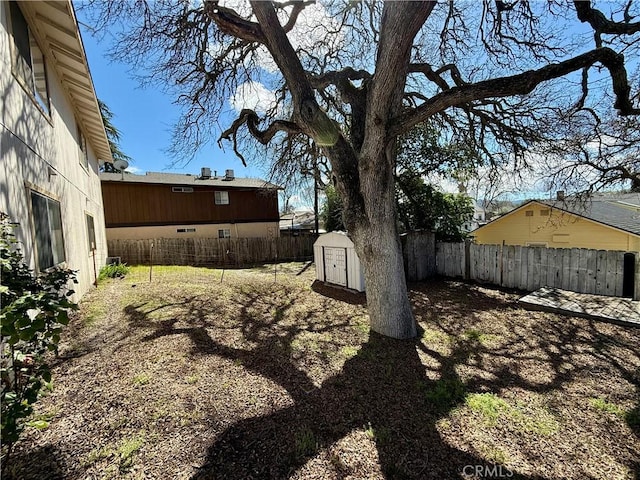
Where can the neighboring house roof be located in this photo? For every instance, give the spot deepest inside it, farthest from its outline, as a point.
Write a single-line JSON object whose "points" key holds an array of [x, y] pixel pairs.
{"points": [[618, 210], [57, 31], [303, 220], [180, 179]]}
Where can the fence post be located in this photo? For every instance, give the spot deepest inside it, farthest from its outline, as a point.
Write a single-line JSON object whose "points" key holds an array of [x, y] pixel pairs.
{"points": [[467, 259], [501, 262], [150, 261]]}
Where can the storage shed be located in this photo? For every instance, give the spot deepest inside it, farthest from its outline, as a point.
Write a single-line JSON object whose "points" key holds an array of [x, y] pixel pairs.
{"points": [[336, 261]]}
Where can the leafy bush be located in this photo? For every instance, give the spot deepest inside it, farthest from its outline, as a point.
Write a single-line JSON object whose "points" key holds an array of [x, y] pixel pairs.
{"points": [[34, 310], [114, 271]]}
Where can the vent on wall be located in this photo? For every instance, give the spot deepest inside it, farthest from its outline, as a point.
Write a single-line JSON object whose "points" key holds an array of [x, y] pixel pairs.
{"points": [[182, 189]]}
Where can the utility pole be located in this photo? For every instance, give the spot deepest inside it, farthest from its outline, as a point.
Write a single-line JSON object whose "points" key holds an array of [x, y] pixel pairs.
{"points": [[315, 190]]}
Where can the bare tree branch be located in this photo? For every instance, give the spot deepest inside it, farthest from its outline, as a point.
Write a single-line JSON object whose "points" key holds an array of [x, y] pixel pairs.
{"points": [[601, 24], [523, 84], [233, 24], [298, 6]]}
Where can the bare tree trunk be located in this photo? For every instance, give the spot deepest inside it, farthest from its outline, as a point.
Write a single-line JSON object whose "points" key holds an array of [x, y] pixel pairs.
{"points": [[381, 256], [378, 247]]}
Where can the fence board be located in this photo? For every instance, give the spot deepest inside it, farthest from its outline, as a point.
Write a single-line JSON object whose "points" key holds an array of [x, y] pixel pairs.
{"points": [[517, 266], [611, 277], [450, 259], [601, 270], [552, 266], [508, 265], [592, 257], [582, 271]]}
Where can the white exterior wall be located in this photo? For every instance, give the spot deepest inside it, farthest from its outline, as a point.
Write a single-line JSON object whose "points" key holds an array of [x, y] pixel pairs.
{"points": [[32, 144], [355, 272], [237, 230]]}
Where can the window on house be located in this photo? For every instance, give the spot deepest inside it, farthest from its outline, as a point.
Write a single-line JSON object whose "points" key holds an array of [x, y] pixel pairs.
{"points": [[224, 233], [28, 63], [91, 232], [222, 198], [544, 213], [82, 143], [529, 213], [182, 189], [185, 230], [47, 224]]}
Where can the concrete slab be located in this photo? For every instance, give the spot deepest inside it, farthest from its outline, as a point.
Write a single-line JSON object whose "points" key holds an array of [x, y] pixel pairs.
{"points": [[599, 307]]}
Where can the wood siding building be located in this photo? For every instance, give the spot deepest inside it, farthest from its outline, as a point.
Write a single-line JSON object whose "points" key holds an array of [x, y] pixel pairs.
{"points": [[158, 205]]}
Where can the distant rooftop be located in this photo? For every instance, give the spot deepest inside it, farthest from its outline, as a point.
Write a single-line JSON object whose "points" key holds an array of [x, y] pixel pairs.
{"points": [[300, 220], [187, 179]]}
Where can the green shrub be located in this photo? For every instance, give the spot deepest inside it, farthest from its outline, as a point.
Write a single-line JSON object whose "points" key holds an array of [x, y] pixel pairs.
{"points": [[114, 271], [34, 310]]}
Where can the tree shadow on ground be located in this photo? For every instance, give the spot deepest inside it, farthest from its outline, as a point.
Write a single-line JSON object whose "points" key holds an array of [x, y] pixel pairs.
{"points": [[386, 389], [383, 390]]}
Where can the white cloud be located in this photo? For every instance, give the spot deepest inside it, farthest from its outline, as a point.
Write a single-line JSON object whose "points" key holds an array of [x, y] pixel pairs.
{"points": [[134, 170], [253, 95]]}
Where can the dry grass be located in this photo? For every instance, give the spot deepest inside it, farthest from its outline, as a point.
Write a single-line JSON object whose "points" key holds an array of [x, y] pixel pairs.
{"points": [[188, 377]]}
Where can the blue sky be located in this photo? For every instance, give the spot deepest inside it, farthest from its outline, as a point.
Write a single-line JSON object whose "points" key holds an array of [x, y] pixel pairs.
{"points": [[145, 117]]}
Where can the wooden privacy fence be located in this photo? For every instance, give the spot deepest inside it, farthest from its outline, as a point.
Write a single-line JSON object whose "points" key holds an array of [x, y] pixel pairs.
{"points": [[600, 272], [418, 252], [211, 252]]}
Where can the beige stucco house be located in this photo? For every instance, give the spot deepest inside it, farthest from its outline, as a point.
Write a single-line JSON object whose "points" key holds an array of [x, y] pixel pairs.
{"points": [[606, 221], [51, 139]]}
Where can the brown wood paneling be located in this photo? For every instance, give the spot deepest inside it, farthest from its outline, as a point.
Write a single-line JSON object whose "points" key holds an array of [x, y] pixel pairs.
{"points": [[129, 204]]}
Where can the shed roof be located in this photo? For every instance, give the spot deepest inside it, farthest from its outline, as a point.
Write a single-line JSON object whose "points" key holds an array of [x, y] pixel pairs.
{"points": [[334, 239], [186, 179]]}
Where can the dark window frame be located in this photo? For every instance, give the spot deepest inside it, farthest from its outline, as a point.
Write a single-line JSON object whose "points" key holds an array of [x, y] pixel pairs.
{"points": [[91, 232], [219, 198], [46, 215], [181, 189], [25, 52]]}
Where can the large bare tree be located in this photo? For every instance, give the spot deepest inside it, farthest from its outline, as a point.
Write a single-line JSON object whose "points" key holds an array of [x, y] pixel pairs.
{"points": [[349, 77]]}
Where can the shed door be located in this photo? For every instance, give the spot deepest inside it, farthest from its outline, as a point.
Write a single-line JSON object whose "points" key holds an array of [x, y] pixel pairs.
{"points": [[335, 264]]}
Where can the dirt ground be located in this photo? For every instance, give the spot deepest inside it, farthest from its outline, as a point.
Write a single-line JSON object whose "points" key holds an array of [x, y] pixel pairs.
{"points": [[196, 375]]}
